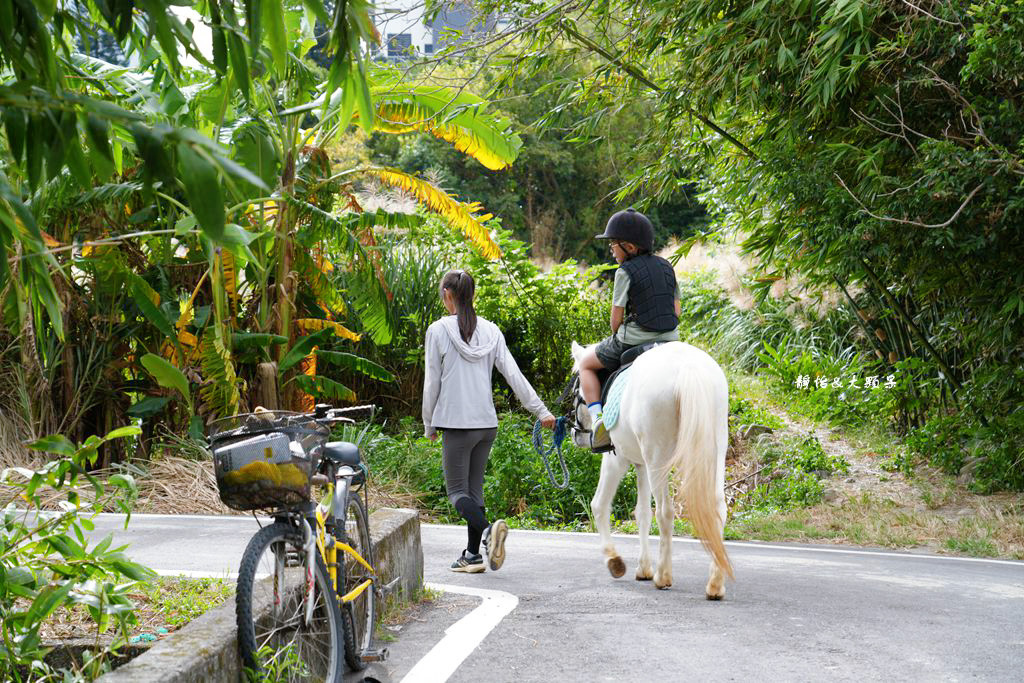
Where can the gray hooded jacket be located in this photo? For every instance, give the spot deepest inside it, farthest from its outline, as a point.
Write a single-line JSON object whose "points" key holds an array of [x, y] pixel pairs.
{"points": [[457, 382]]}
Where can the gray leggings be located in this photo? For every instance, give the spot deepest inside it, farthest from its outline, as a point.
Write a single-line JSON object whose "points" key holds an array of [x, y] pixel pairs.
{"points": [[464, 455]]}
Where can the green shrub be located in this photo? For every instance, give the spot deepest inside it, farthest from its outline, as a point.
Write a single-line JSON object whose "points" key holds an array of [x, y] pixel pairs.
{"points": [[745, 412], [792, 472], [48, 566], [995, 450], [516, 485]]}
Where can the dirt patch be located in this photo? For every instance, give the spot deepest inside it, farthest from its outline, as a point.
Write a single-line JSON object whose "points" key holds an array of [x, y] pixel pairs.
{"points": [[873, 504]]}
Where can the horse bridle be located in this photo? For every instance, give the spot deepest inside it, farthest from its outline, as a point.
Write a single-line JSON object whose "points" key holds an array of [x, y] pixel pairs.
{"points": [[572, 399]]}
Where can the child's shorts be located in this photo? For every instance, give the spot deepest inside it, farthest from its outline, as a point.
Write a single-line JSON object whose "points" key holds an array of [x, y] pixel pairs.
{"points": [[609, 351]]}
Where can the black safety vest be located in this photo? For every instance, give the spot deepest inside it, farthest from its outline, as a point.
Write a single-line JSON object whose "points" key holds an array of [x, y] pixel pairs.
{"points": [[652, 293]]}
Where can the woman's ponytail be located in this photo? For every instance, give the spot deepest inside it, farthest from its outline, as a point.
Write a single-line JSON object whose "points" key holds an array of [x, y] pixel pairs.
{"points": [[462, 287]]}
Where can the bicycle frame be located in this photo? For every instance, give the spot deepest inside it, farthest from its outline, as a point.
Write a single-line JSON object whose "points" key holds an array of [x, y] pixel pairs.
{"points": [[328, 546]]}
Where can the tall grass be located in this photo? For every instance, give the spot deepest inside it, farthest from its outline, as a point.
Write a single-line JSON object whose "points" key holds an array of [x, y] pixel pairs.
{"points": [[739, 335]]}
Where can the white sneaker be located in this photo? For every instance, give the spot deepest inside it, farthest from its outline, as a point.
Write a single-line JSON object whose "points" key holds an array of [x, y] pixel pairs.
{"points": [[599, 435], [494, 544]]}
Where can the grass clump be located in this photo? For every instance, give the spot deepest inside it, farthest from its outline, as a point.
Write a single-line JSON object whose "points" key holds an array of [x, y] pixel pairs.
{"points": [[178, 600], [791, 473]]}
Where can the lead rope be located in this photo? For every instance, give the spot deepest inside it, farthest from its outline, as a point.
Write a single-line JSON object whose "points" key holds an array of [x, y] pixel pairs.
{"points": [[556, 445]]}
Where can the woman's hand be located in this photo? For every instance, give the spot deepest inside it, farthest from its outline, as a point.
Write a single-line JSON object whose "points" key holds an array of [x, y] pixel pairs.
{"points": [[548, 422], [433, 437]]}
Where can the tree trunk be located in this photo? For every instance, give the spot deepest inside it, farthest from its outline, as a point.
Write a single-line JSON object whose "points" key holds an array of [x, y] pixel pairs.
{"points": [[265, 394]]}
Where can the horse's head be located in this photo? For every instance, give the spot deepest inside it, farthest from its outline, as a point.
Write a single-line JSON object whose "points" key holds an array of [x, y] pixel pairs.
{"points": [[579, 416], [577, 355]]}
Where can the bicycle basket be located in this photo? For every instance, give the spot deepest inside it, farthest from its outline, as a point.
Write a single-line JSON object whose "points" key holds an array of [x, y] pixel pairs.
{"points": [[265, 460]]}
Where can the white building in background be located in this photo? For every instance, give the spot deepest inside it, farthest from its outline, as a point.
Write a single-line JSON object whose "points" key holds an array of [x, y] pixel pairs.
{"points": [[406, 33]]}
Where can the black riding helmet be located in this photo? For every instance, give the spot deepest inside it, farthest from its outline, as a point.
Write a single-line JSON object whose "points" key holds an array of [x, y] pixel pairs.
{"points": [[630, 226]]}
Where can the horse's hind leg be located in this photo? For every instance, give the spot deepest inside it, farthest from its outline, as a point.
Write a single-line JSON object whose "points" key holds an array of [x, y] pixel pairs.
{"points": [[612, 469], [643, 523], [715, 590], [666, 515]]}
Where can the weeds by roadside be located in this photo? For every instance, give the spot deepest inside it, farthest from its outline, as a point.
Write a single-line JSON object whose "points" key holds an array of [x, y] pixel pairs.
{"points": [[178, 600], [399, 610]]}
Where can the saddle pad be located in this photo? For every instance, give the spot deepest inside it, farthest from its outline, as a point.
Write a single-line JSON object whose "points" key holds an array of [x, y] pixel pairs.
{"points": [[610, 410]]}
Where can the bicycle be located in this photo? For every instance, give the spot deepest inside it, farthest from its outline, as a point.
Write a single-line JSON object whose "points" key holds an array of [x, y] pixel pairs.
{"points": [[287, 594]]}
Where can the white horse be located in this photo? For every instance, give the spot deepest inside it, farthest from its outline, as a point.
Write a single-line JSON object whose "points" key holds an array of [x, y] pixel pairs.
{"points": [[674, 414]]}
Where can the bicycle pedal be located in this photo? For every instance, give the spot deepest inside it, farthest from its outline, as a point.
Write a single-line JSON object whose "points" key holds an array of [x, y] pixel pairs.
{"points": [[375, 655], [387, 588]]}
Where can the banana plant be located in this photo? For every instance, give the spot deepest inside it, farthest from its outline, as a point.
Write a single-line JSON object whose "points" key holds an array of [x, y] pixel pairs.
{"points": [[218, 171]]}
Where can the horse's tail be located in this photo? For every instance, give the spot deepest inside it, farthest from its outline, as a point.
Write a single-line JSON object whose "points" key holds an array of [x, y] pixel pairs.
{"points": [[700, 444]]}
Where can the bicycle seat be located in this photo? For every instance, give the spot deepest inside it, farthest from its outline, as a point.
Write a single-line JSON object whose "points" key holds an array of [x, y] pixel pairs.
{"points": [[342, 453]]}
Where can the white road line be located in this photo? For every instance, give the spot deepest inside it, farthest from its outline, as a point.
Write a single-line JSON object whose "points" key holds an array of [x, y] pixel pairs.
{"points": [[766, 546], [462, 637], [734, 544], [876, 553]]}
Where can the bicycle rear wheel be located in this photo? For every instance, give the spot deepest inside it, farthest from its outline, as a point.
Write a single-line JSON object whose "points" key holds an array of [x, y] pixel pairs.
{"points": [[359, 615], [271, 606]]}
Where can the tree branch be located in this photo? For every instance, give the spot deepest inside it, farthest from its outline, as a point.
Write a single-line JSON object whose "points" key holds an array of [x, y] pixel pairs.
{"points": [[642, 78], [902, 221]]}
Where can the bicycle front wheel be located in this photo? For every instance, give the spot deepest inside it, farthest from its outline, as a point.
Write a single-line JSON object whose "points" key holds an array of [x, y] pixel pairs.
{"points": [[275, 635], [359, 614]]}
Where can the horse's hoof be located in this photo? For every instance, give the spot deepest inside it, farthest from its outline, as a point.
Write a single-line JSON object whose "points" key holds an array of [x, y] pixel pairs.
{"points": [[643, 575], [714, 597], [661, 583], [616, 567]]}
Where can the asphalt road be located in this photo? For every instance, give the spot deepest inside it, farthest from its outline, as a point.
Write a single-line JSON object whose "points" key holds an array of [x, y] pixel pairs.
{"points": [[553, 612]]}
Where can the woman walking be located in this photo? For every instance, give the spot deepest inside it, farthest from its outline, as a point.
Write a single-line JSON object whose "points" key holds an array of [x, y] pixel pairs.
{"points": [[461, 350]]}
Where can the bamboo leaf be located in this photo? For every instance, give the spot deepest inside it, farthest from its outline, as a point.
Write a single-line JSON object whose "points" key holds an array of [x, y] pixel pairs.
{"points": [[48, 600], [133, 570], [364, 98], [16, 127], [318, 9], [239, 64], [121, 432]]}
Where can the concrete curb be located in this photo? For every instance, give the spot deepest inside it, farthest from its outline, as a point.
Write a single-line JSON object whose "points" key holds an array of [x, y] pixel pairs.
{"points": [[207, 648]]}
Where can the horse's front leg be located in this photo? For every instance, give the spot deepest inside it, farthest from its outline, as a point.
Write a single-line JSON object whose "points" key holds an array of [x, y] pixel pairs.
{"points": [[643, 522], [666, 515], [612, 469]]}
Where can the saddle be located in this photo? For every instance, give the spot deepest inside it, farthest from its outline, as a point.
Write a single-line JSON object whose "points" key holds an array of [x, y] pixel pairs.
{"points": [[626, 359], [612, 399]]}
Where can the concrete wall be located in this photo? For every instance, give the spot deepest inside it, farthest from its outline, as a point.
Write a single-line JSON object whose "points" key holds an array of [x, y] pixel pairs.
{"points": [[207, 648]]}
